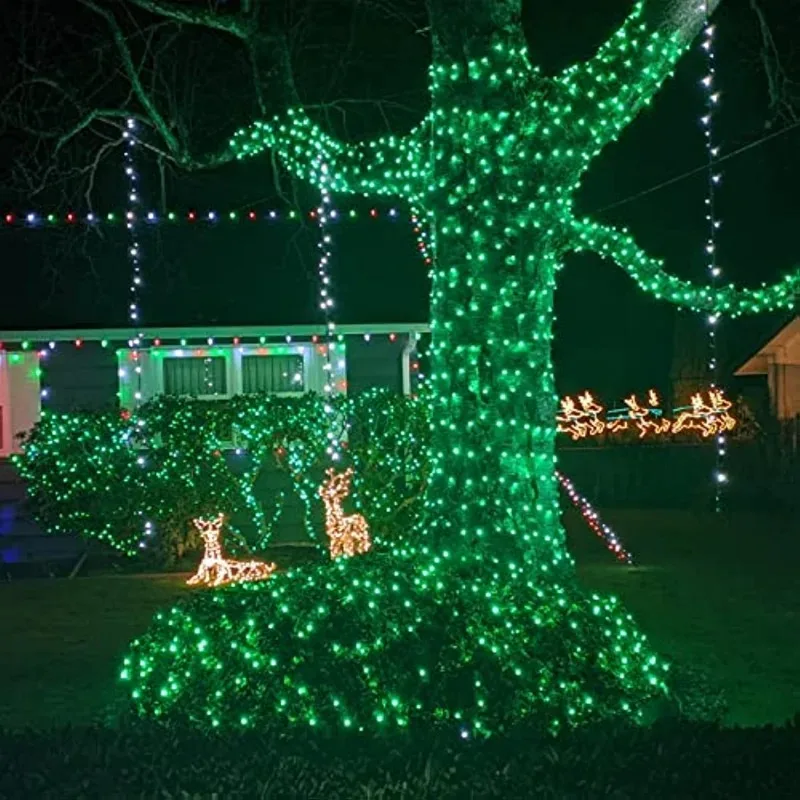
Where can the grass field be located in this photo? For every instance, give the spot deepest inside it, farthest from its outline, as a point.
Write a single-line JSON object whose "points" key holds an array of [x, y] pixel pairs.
{"points": [[719, 593]]}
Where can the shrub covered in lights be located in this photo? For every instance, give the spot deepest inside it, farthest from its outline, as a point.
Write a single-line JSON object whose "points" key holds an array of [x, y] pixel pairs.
{"points": [[373, 643], [105, 476], [83, 476], [486, 621]]}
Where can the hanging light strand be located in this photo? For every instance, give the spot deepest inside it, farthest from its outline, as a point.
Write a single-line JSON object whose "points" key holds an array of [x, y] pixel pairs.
{"points": [[325, 214], [136, 341], [712, 96], [134, 255], [592, 519]]}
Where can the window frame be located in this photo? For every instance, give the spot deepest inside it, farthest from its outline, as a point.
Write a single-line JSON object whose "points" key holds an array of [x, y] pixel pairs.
{"points": [[262, 352], [194, 356]]}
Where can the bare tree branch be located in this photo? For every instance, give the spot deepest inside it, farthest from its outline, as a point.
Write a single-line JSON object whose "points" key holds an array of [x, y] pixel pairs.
{"points": [[239, 25], [783, 94], [133, 76]]}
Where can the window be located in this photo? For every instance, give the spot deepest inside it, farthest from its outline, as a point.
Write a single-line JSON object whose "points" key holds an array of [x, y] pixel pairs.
{"points": [[272, 374], [195, 377]]}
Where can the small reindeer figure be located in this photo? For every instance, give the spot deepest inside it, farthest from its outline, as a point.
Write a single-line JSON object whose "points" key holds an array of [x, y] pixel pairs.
{"points": [[570, 419], [711, 418], [593, 410], [214, 570], [348, 534], [644, 417]]}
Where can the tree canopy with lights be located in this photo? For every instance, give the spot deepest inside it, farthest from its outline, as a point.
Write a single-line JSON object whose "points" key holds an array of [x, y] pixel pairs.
{"points": [[479, 622]]}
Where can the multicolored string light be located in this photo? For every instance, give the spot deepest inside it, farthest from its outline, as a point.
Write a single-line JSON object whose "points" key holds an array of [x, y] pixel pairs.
{"points": [[42, 220], [592, 519]]}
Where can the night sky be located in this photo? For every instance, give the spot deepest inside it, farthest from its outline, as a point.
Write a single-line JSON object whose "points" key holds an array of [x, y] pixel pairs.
{"points": [[609, 336]]}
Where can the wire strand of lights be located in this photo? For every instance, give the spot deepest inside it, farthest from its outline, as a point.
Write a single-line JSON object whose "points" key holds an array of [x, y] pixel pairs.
{"points": [[325, 213], [36, 220], [712, 96], [134, 310], [423, 233], [592, 519], [134, 255]]}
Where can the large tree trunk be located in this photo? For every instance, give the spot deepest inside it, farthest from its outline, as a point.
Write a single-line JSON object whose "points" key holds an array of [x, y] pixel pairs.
{"points": [[493, 495]]}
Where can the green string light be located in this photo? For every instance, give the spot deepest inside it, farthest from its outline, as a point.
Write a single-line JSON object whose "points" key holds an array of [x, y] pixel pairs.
{"points": [[476, 621]]}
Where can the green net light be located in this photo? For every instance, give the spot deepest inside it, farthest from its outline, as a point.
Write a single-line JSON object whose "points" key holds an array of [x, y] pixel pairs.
{"points": [[476, 622]]}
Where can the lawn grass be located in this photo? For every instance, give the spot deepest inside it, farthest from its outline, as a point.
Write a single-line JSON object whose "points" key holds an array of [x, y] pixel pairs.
{"points": [[715, 592]]}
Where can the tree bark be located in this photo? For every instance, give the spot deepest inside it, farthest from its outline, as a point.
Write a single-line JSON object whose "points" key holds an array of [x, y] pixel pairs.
{"points": [[492, 495]]}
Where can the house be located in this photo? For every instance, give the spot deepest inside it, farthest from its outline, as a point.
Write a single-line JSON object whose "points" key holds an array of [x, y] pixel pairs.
{"points": [[779, 360], [92, 370]]}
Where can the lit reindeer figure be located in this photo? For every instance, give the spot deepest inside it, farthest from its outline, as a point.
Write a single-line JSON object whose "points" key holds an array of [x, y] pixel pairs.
{"points": [[214, 570], [711, 419], [592, 409], [644, 417], [348, 534], [570, 419]]}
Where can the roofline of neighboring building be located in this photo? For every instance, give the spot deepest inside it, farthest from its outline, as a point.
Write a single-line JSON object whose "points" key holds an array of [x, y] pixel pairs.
{"points": [[204, 332], [755, 364]]}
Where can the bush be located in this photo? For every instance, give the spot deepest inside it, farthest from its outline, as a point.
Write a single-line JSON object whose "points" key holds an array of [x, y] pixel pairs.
{"points": [[379, 643], [83, 477], [104, 476], [667, 761]]}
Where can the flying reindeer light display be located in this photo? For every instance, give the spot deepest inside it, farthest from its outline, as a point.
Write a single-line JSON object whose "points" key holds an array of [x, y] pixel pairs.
{"points": [[214, 570], [707, 416], [348, 534]]}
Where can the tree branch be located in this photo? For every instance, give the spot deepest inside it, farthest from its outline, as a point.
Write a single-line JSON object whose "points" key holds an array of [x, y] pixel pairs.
{"points": [[388, 165], [630, 66], [239, 25], [649, 273], [781, 100], [132, 74], [175, 149]]}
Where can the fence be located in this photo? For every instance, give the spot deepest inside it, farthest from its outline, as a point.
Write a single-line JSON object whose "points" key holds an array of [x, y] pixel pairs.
{"points": [[762, 472]]}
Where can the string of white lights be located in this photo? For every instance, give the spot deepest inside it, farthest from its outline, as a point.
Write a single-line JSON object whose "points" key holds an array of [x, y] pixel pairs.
{"points": [[134, 310], [325, 214], [134, 255], [712, 96]]}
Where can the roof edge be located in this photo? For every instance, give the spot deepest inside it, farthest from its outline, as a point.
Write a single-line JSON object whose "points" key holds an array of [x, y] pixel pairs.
{"points": [[204, 332]]}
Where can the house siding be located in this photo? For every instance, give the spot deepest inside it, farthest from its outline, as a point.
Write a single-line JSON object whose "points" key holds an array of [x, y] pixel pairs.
{"points": [[19, 398], [80, 378], [375, 363]]}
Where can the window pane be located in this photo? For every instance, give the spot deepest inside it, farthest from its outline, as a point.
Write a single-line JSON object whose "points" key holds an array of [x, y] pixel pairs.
{"points": [[193, 377], [272, 374]]}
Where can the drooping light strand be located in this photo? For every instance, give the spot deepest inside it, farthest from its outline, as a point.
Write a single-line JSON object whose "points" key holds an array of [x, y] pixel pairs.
{"points": [[134, 255], [712, 96], [325, 213], [424, 234], [592, 519], [424, 245]]}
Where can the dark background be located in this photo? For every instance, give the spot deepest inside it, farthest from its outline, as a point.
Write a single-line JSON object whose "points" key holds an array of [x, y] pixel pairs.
{"points": [[609, 335]]}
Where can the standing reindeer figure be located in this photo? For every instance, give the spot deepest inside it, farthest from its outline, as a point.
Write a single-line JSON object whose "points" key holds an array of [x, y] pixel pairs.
{"points": [[214, 570], [349, 535]]}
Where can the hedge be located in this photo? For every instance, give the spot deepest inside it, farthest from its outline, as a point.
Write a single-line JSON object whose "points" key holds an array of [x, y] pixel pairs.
{"points": [[669, 760]]}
